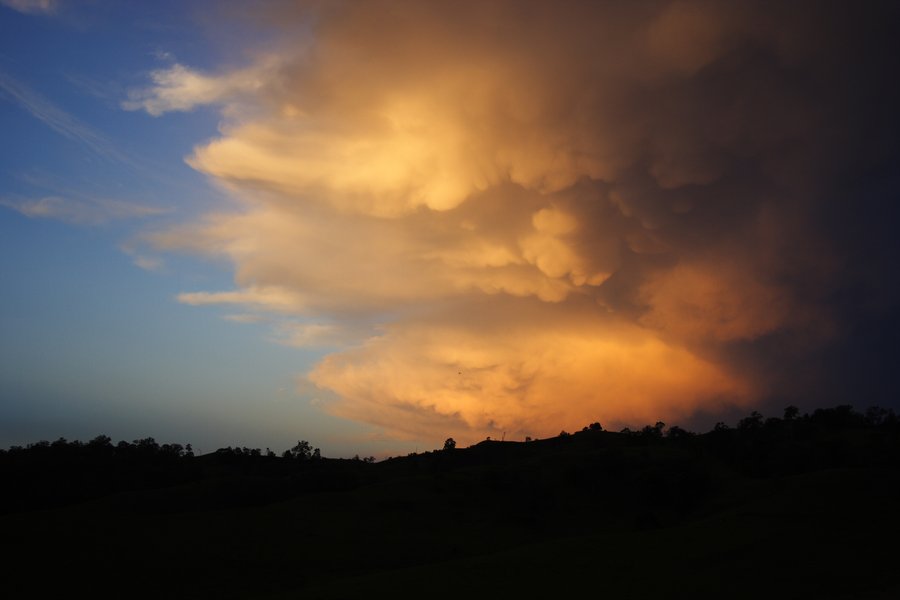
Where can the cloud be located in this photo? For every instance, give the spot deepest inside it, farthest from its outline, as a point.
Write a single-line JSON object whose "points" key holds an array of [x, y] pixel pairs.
{"points": [[179, 88], [58, 120], [521, 370], [80, 212], [264, 298], [149, 263], [243, 318], [47, 7], [524, 216], [720, 302], [312, 335]]}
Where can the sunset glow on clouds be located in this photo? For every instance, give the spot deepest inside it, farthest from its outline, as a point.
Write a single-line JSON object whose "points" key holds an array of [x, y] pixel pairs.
{"points": [[433, 218], [544, 212]]}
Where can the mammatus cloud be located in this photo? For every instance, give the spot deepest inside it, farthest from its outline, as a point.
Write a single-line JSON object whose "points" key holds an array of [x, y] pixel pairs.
{"points": [[534, 215]]}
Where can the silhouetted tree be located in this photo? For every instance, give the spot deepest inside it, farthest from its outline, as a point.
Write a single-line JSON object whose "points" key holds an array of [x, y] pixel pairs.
{"points": [[751, 423], [877, 416], [302, 451], [101, 441], [677, 433], [450, 444]]}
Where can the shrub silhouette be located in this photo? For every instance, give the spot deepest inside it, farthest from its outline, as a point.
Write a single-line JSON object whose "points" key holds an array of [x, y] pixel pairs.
{"points": [[302, 451]]}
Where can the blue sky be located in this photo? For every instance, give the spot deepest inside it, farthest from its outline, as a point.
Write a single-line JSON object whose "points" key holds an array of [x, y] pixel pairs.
{"points": [[92, 342]]}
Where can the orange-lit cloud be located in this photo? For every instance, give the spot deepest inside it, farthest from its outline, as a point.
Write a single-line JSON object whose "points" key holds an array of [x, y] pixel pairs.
{"points": [[718, 302], [523, 370], [517, 216]]}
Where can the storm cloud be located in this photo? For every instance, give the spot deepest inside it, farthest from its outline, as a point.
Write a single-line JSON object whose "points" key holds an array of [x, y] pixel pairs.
{"points": [[528, 216]]}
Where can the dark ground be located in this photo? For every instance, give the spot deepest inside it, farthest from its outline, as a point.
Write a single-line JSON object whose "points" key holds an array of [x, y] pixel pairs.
{"points": [[788, 508]]}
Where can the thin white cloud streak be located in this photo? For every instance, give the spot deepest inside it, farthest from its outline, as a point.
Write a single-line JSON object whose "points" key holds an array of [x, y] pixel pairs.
{"points": [[320, 335], [59, 120], [246, 318], [149, 263], [81, 212], [107, 91], [45, 7], [265, 298]]}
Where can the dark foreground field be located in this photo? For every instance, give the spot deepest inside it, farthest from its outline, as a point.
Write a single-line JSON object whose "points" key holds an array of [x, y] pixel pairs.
{"points": [[802, 507]]}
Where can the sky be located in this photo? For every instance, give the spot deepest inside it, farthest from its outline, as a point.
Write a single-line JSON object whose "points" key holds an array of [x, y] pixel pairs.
{"points": [[375, 225]]}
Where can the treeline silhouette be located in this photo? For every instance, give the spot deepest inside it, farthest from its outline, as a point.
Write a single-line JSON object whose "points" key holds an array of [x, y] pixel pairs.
{"points": [[51, 474], [815, 491], [46, 474]]}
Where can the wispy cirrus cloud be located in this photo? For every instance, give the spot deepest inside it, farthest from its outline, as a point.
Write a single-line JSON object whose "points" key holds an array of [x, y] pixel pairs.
{"points": [[36, 7], [59, 120], [80, 212], [143, 260]]}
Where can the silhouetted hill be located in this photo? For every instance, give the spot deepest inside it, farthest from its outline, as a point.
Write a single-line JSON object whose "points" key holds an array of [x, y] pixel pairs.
{"points": [[787, 507]]}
